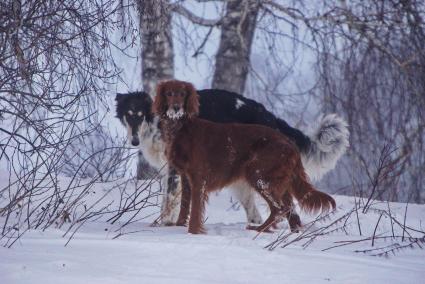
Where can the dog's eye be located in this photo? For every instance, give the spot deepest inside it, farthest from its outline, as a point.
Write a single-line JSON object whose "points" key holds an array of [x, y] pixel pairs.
{"points": [[139, 114]]}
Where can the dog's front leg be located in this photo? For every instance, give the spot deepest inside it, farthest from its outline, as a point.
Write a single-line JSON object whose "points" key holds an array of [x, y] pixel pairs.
{"points": [[185, 202], [197, 209], [171, 200]]}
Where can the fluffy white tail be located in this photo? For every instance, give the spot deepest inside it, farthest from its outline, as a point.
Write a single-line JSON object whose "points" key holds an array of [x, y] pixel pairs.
{"points": [[328, 143]]}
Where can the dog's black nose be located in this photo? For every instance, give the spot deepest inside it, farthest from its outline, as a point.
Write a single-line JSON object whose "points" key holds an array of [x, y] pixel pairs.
{"points": [[176, 108], [135, 141]]}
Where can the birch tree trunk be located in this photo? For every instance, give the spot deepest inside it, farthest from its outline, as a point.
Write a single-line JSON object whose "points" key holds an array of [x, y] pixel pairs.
{"points": [[237, 32], [157, 43], [157, 55]]}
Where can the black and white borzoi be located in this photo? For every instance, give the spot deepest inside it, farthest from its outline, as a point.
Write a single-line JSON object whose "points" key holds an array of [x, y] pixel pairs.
{"points": [[319, 151]]}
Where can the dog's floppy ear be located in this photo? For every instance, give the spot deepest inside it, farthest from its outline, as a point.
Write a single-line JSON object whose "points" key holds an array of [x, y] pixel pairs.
{"points": [[119, 97], [148, 103], [159, 106], [192, 100], [146, 97]]}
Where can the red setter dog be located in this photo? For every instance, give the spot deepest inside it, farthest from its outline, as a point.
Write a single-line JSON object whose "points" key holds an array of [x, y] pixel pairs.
{"points": [[210, 156]]}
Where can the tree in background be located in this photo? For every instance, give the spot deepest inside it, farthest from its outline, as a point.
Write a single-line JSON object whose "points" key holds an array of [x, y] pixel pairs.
{"points": [[157, 42], [157, 55], [232, 60], [369, 59]]}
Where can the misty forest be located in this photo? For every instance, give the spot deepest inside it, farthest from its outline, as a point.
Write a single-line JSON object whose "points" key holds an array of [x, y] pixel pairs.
{"points": [[80, 202]]}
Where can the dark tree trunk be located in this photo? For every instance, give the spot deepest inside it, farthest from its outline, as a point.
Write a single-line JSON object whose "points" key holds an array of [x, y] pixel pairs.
{"points": [[237, 32]]}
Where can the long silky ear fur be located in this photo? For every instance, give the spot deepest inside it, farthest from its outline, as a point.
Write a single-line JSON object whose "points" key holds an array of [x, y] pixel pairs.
{"points": [[119, 97], [192, 100], [159, 106]]}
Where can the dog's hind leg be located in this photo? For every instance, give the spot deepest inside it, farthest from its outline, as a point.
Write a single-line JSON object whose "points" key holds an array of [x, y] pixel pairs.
{"points": [[245, 194], [270, 221], [275, 205], [291, 215]]}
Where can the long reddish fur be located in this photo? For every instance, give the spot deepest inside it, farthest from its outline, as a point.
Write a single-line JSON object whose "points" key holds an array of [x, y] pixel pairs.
{"points": [[210, 156]]}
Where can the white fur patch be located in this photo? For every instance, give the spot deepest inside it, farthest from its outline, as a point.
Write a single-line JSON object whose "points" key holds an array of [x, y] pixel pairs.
{"points": [[129, 131], [245, 194], [151, 144], [262, 184], [329, 141], [239, 104], [175, 114], [170, 207]]}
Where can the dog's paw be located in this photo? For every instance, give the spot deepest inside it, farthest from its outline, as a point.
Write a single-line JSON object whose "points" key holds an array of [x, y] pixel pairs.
{"points": [[259, 229], [254, 217], [168, 220], [196, 231]]}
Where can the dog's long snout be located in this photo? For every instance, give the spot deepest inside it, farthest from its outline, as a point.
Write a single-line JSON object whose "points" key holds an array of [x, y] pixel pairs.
{"points": [[135, 141]]}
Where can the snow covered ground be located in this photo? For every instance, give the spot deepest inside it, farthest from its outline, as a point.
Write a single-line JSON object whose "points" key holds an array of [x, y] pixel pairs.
{"points": [[226, 254]]}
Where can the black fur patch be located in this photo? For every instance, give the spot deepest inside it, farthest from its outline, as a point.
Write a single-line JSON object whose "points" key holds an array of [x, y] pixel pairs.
{"points": [[172, 181], [136, 102], [227, 107]]}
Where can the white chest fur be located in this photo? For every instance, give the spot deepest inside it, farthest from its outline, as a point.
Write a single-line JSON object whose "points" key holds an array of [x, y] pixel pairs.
{"points": [[152, 145]]}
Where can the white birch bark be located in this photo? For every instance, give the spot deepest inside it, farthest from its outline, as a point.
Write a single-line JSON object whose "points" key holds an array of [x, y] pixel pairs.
{"points": [[157, 43], [237, 31]]}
